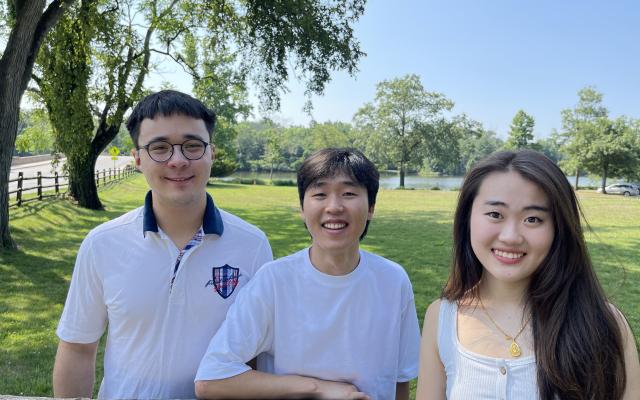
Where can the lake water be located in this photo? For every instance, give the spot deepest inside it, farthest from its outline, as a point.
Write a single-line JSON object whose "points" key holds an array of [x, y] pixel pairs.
{"points": [[391, 180]]}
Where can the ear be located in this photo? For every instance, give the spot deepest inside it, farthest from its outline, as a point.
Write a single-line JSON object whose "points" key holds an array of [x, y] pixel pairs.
{"points": [[370, 213], [213, 152], [136, 156]]}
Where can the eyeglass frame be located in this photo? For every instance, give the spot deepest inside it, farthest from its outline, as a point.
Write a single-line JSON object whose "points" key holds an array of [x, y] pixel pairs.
{"points": [[172, 145]]}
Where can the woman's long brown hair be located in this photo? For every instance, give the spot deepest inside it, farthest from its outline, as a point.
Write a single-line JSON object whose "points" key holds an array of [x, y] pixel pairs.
{"points": [[577, 338]]}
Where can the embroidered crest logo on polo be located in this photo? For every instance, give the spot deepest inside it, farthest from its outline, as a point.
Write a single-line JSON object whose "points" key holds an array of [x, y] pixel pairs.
{"points": [[224, 280]]}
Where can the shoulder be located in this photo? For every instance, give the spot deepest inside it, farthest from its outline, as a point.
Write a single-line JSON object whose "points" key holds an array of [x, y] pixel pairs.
{"points": [[623, 324], [120, 227], [237, 226], [384, 266], [430, 325], [433, 312], [283, 266]]}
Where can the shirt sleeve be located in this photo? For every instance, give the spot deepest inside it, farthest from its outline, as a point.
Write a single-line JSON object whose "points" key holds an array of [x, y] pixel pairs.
{"points": [[246, 332], [408, 359], [84, 317]]}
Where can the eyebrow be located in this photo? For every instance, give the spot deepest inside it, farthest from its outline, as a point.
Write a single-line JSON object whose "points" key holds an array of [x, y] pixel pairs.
{"points": [[186, 136], [527, 208], [320, 183]]}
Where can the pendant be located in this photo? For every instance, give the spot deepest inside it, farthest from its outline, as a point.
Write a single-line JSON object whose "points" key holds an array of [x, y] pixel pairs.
{"points": [[514, 349]]}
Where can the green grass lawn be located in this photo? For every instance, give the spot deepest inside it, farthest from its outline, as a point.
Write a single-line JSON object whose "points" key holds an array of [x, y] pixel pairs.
{"points": [[411, 227]]}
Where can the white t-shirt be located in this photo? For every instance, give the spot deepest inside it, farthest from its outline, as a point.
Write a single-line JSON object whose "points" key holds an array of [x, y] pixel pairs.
{"points": [[359, 328], [157, 333]]}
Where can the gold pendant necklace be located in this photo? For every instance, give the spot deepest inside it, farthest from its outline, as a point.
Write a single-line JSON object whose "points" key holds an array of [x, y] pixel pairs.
{"points": [[514, 347]]}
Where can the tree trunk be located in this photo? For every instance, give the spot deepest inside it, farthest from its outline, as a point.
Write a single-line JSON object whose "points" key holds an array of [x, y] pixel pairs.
{"points": [[577, 178], [82, 182], [16, 65], [603, 183], [402, 175], [8, 132]]}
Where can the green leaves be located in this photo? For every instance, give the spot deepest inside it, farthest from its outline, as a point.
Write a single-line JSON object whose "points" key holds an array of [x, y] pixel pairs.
{"points": [[521, 131], [404, 123], [597, 144]]}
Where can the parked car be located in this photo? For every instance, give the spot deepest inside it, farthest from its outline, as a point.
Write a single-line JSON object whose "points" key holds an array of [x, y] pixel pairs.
{"points": [[625, 189]]}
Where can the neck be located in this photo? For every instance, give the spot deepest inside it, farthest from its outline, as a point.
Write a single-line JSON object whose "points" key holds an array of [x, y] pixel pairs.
{"points": [[335, 263], [508, 294], [179, 223]]}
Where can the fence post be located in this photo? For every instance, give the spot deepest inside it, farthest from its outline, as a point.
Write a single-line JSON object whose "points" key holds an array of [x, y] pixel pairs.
{"points": [[39, 185], [109, 174], [104, 177], [55, 182], [19, 192]]}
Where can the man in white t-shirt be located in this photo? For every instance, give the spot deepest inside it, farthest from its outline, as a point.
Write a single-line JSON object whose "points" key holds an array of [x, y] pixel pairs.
{"points": [[160, 278], [330, 321]]}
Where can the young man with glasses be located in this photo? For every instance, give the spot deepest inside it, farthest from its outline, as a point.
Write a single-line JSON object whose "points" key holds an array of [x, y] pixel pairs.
{"points": [[161, 277]]}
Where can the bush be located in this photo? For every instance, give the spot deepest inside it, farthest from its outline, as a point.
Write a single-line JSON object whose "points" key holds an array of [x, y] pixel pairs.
{"points": [[283, 182]]}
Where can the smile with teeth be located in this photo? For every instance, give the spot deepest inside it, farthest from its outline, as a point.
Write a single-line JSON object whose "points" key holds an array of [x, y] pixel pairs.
{"points": [[179, 179], [506, 254], [334, 225]]}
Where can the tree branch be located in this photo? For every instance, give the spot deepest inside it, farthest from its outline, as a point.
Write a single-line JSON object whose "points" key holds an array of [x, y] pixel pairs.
{"points": [[47, 20], [189, 69]]}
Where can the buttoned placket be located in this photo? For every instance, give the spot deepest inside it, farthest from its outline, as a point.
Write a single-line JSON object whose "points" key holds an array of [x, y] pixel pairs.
{"points": [[502, 377], [176, 286]]}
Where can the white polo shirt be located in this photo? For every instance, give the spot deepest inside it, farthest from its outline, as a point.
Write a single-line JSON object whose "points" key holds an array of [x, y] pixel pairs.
{"points": [[157, 332]]}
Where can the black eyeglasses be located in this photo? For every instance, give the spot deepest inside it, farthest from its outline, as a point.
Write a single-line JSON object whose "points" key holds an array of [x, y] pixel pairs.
{"points": [[162, 151]]}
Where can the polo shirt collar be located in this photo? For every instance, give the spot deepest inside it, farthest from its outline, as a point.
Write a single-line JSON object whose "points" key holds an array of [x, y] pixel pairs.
{"points": [[211, 223]]}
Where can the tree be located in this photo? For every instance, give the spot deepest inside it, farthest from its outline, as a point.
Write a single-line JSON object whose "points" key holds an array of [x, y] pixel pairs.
{"points": [[273, 150], [261, 41], [612, 150], [521, 131], [64, 89], [251, 144], [576, 124], [443, 151], [402, 118], [36, 136], [550, 146], [475, 148], [27, 22], [328, 134], [597, 144]]}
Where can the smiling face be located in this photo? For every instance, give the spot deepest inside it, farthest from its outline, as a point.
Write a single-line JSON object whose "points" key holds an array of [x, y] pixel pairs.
{"points": [[178, 182], [511, 227], [336, 210]]}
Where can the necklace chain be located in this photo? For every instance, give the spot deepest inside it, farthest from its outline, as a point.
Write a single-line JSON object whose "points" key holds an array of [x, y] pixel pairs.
{"points": [[514, 348]]}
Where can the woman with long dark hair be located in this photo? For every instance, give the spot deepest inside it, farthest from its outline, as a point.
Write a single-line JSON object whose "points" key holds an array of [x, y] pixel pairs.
{"points": [[522, 315]]}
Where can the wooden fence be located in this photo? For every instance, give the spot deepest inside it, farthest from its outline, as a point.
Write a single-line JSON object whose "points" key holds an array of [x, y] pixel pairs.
{"points": [[44, 182]]}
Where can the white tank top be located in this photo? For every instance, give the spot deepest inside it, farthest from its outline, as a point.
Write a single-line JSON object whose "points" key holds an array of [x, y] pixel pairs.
{"points": [[478, 377]]}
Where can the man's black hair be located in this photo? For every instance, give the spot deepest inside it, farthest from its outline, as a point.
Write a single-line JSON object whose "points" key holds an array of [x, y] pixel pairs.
{"points": [[332, 161], [168, 103]]}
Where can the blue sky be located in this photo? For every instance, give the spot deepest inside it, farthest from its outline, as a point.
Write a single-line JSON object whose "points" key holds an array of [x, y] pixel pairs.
{"points": [[491, 57]]}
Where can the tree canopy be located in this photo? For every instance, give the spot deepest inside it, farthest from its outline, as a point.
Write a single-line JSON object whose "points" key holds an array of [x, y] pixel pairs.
{"points": [[222, 44]]}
